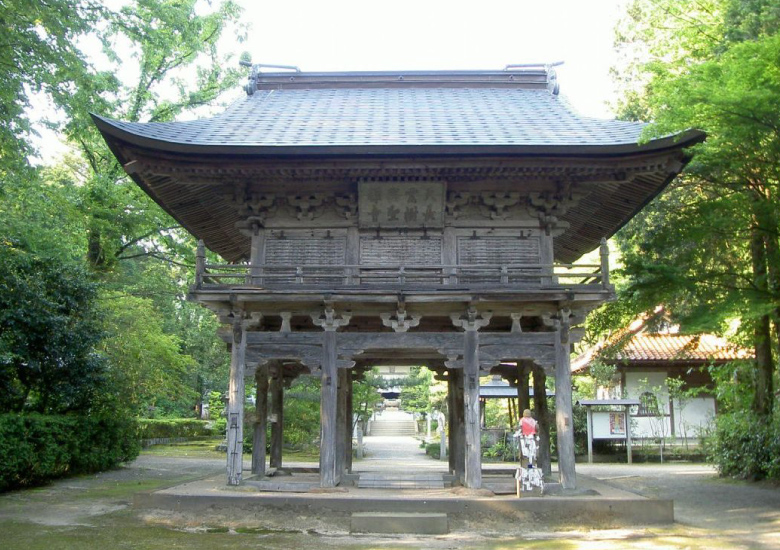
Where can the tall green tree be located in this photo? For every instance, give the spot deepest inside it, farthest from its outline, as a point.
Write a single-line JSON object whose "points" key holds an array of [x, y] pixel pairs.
{"points": [[708, 248]]}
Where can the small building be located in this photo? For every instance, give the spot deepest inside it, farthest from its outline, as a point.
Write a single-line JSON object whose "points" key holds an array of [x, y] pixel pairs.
{"points": [[645, 365]]}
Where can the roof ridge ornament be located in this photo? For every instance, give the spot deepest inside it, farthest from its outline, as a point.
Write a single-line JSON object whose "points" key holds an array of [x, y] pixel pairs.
{"points": [[246, 61], [552, 77]]}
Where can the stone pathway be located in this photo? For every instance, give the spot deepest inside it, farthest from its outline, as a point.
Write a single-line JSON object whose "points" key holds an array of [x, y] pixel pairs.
{"points": [[396, 453]]}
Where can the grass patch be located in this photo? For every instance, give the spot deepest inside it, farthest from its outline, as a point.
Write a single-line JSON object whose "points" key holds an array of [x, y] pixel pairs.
{"points": [[205, 448]]}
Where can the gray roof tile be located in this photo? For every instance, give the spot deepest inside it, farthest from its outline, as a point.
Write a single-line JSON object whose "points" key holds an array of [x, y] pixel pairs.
{"points": [[393, 116]]}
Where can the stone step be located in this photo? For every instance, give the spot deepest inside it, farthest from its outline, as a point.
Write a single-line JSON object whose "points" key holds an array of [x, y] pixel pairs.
{"points": [[401, 481], [400, 523]]}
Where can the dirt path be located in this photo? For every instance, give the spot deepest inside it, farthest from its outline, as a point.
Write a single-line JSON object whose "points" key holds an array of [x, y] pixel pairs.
{"points": [[95, 512], [744, 513]]}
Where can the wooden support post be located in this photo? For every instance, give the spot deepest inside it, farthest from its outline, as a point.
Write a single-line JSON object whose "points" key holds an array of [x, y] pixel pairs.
{"points": [[349, 421], [235, 413], [589, 411], [543, 417], [473, 462], [277, 412], [261, 421], [523, 393], [564, 415], [328, 405], [451, 390], [458, 447], [341, 422], [628, 435]]}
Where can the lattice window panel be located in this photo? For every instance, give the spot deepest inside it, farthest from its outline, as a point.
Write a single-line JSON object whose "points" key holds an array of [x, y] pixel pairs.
{"points": [[493, 252], [303, 251]]}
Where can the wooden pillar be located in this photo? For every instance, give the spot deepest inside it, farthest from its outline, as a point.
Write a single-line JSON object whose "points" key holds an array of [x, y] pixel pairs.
{"points": [[261, 421], [235, 415], [458, 446], [277, 416], [330, 323], [564, 416], [451, 389], [523, 393], [473, 464], [349, 421], [543, 417], [341, 422], [328, 406], [628, 435], [589, 426]]}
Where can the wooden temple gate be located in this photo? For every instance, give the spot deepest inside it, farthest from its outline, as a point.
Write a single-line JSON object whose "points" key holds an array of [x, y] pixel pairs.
{"points": [[374, 218]]}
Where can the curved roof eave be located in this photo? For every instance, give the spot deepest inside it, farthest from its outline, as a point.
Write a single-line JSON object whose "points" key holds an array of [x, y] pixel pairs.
{"points": [[110, 128]]}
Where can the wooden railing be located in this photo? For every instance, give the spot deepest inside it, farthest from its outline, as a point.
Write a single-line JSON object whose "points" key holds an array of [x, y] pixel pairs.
{"points": [[519, 276]]}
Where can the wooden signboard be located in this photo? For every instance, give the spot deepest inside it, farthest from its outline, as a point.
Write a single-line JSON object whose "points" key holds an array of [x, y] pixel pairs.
{"points": [[413, 204]]}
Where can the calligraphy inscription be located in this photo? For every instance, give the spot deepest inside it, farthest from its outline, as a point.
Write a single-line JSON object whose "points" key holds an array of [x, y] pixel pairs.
{"points": [[401, 204]]}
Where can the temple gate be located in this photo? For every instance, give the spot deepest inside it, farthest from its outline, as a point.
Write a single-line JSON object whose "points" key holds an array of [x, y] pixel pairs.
{"points": [[423, 218]]}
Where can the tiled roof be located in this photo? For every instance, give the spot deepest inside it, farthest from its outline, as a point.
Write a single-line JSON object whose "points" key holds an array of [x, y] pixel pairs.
{"points": [[394, 116], [676, 347]]}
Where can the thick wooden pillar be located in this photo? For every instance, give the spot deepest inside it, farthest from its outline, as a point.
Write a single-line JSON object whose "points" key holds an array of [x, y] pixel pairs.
{"points": [[328, 406], [564, 416], [542, 413], [261, 421], [349, 422], [235, 412], [277, 416], [523, 395], [330, 323], [473, 463], [458, 448], [341, 422], [451, 390]]}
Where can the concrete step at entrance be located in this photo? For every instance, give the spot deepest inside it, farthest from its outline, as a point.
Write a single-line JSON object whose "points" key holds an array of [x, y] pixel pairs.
{"points": [[372, 480], [400, 523]]}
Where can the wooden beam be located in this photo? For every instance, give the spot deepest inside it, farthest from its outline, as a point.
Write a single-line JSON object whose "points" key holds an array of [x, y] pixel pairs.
{"points": [[458, 427], [543, 417], [235, 415], [341, 422], [564, 415], [473, 458], [261, 421], [348, 419], [277, 412], [328, 405]]}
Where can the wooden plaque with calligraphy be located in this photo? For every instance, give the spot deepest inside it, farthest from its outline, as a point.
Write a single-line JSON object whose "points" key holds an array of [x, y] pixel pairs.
{"points": [[391, 204]]}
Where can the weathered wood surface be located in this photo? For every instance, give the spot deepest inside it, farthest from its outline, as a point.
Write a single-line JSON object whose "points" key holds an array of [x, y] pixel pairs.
{"points": [[473, 458], [261, 420], [458, 427], [564, 416], [235, 412], [348, 419], [542, 413], [277, 412], [341, 422], [328, 405]]}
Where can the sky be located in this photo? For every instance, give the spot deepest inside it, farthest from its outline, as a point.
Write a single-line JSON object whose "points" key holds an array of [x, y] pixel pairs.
{"points": [[344, 35]]}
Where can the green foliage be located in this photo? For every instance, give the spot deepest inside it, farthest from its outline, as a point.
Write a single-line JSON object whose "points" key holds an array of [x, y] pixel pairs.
{"points": [[35, 449], [746, 445], [302, 412], [155, 428], [49, 327], [416, 391], [433, 450]]}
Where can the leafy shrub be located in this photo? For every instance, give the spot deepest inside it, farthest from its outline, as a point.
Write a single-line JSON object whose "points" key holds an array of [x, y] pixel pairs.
{"points": [[35, 449], [746, 446], [153, 428], [433, 450]]}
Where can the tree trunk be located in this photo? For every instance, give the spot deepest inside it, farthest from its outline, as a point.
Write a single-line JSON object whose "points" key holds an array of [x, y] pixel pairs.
{"points": [[762, 402]]}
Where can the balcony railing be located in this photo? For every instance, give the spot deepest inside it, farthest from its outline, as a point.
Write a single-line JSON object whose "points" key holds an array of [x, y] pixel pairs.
{"points": [[376, 277]]}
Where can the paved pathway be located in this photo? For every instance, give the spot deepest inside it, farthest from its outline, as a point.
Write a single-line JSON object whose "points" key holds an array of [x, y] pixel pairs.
{"points": [[396, 453]]}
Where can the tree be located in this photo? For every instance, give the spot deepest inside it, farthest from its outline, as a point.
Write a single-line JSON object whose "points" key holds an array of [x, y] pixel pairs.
{"points": [[708, 248], [49, 327]]}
